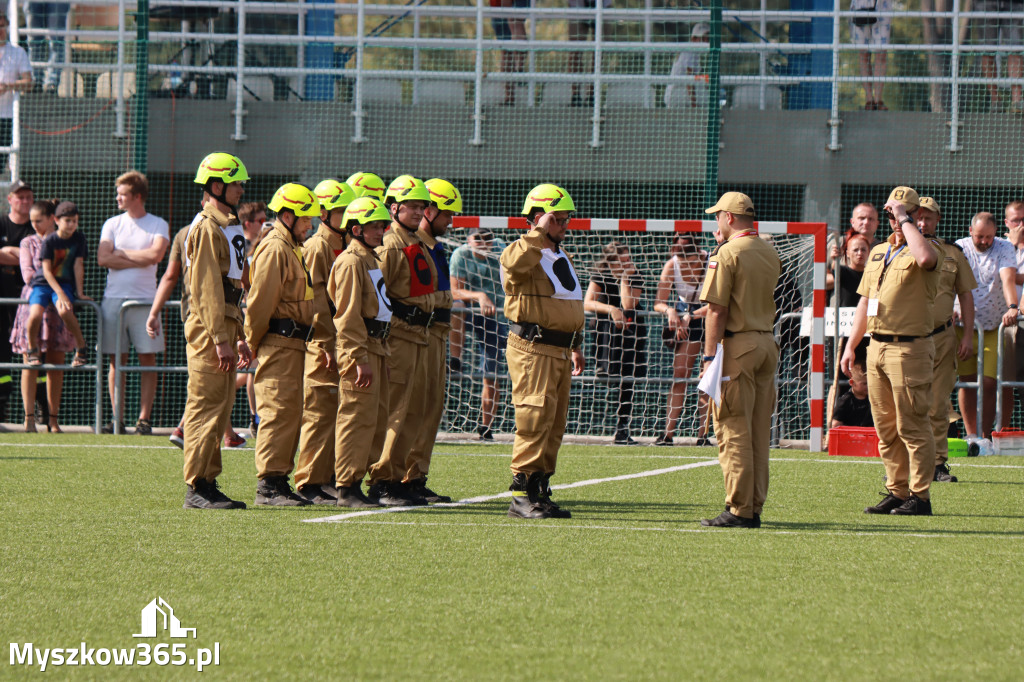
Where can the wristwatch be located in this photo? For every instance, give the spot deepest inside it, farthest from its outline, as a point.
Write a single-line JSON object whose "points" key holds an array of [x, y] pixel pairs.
{"points": [[708, 358], [904, 220]]}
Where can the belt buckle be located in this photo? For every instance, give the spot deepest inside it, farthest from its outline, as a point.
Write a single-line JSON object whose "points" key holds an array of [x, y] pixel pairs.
{"points": [[430, 319], [386, 331], [572, 341], [309, 334]]}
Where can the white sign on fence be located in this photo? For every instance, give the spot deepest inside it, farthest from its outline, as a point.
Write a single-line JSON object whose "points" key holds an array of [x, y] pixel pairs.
{"points": [[845, 321]]}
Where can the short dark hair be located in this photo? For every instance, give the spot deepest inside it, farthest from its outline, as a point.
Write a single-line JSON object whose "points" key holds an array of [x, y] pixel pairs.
{"points": [[249, 209]]}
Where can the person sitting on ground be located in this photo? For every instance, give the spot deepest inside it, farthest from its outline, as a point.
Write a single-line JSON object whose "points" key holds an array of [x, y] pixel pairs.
{"points": [[853, 408]]}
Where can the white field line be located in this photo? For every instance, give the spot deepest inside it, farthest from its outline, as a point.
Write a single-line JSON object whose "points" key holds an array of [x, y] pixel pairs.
{"points": [[656, 529], [487, 498]]}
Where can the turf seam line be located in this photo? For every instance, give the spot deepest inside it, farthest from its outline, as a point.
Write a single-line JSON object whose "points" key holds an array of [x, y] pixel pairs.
{"points": [[337, 518]]}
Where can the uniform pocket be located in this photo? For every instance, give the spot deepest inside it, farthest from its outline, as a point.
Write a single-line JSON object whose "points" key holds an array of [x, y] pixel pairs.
{"points": [[920, 395], [529, 413]]}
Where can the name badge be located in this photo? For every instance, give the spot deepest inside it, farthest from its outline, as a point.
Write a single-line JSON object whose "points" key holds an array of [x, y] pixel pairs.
{"points": [[561, 275], [872, 307], [383, 302]]}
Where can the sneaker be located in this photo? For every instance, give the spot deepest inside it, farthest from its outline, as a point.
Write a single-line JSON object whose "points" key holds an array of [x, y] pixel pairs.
{"points": [[234, 441], [703, 442], [914, 506], [942, 474], [455, 365], [178, 437], [213, 491], [317, 494], [108, 428], [485, 432], [143, 427], [391, 494], [419, 487], [729, 520], [888, 503], [623, 438], [664, 440], [206, 495], [352, 496], [274, 491]]}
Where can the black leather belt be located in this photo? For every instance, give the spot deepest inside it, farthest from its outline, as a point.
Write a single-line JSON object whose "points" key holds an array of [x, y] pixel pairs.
{"points": [[232, 294], [442, 315], [534, 333], [376, 329], [941, 328], [728, 334], [290, 329], [889, 338], [413, 315]]}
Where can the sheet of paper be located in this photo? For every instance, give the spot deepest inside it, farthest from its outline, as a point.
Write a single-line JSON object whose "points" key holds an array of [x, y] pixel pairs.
{"points": [[711, 382], [872, 307]]}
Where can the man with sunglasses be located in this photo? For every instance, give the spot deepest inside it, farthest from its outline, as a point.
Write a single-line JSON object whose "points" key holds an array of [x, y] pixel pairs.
{"points": [[897, 303], [544, 306]]}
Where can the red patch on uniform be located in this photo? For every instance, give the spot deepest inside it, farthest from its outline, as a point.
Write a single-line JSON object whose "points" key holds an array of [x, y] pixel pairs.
{"points": [[421, 282], [712, 265], [338, 252]]}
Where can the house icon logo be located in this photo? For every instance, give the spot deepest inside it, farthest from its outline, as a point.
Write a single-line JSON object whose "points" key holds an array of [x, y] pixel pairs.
{"points": [[159, 611]]}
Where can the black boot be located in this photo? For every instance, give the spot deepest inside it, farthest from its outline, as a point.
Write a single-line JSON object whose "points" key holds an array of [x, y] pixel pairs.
{"points": [[545, 499], [419, 487], [526, 502]]}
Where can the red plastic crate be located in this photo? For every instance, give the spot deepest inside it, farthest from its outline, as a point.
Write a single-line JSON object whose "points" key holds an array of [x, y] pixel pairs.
{"points": [[1008, 442], [853, 441]]}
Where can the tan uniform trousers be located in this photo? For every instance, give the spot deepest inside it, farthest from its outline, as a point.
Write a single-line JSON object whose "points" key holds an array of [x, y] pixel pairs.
{"points": [[319, 412], [418, 462], [362, 425], [407, 405], [278, 385], [900, 391], [943, 380], [743, 421], [211, 394], [540, 394]]}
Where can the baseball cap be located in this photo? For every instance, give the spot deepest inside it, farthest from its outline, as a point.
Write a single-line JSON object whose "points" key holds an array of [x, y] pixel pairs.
{"points": [[736, 203], [65, 209], [906, 196], [700, 30], [19, 185], [930, 204]]}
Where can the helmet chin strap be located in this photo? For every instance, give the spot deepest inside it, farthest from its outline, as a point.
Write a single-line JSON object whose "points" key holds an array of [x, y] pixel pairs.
{"points": [[395, 218], [330, 214], [220, 197]]}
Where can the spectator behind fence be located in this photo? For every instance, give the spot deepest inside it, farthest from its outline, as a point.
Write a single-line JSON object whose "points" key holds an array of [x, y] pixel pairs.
{"points": [[476, 277], [1013, 339], [1003, 32], [253, 217], [615, 293], [15, 77], [678, 299], [995, 300], [14, 227], [510, 27], [936, 31], [856, 248], [54, 338], [60, 282], [131, 245], [581, 29], [853, 408], [688, 67], [49, 48], [864, 221], [872, 32]]}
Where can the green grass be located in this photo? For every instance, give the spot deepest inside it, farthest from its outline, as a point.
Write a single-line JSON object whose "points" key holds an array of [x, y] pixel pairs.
{"points": [[630, 588]]}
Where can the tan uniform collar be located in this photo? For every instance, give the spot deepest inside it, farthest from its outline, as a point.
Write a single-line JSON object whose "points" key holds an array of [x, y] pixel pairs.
{"points": [[284, 233], [361, 250], [331, 237], [406, 236], [426, 238], [893, 242], [216, 215]]}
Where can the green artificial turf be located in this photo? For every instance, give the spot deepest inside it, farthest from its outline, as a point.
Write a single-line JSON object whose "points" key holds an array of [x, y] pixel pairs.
{"points": [[630, 588]]}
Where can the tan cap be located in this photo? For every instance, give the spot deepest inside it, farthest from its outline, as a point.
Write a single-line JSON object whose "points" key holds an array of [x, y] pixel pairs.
{"points": [[736, 203], [906, 196], [931, 205]]}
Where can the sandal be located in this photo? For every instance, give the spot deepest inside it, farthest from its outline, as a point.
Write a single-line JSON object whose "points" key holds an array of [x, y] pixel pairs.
{"points": [[880, 106], [53, 426], [870, 106], [81, 357], [30, 425], [34, 357]]}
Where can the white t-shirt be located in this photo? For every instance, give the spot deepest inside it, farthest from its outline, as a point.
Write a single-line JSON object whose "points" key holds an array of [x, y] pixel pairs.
{"points": [[989, 304], [687, 63], [1019, 252], [127, 233], [13, 63]]}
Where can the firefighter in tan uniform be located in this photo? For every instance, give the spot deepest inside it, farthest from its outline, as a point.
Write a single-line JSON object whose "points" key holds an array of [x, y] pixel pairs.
{"points": [[956, 280], [364, 184], [897, 308], [362, 320], [739, 289], [278, 322], [314, 473], [544, 307], [445, 202], [411, 279], [212, 330]]}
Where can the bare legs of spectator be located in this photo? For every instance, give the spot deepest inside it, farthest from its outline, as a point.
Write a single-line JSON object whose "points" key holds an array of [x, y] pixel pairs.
{"points": [[513, 61], [682, 368], [1013, 70], [873, 91], [147, 386], [580, 30], [936, 32], [54, 388], [35, 320], [969, 406], [489, 397]]}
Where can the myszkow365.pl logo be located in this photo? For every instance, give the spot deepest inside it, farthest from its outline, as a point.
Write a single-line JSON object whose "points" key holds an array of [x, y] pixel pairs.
{"points": [[157, 618]]}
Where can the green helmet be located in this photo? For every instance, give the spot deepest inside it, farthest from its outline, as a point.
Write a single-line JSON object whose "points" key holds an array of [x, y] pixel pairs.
{"points": [[548, 198], [444, 195], [334, 194], [365, 184], [364, 210], [296, 198], [221, 166], [406, 188]]}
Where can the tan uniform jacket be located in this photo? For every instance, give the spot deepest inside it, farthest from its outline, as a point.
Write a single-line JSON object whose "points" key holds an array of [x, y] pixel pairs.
{"points": [[281, 289], [210, 254], [320, 252], [742, 276], [528, 291], [351, 289], [955, 278], [442, 297], [410, 277], [905, 293], [178, 256]]}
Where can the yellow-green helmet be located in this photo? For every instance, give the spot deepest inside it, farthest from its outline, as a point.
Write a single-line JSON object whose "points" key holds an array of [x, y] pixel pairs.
{"points": [[221, 166], [334, 194], [364, 210], [548, 198], [444, 195], [365, 184], [296, 198], [406, 188]]}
